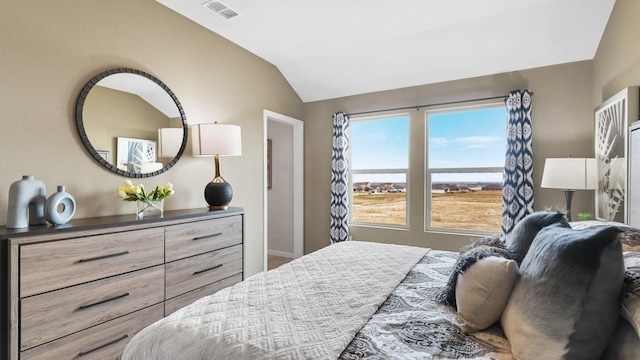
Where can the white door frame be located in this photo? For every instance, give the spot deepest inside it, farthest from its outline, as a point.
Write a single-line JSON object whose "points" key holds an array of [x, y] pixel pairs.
{"points": [[298, 182]]}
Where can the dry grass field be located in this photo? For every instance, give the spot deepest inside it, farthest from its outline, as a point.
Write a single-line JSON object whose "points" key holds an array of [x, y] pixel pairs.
{"points": [[380, 208], [481, 210]]}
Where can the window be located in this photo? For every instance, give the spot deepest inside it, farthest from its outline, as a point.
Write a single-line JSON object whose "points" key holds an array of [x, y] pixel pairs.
{"points": [[465, 158], [380, 170]]}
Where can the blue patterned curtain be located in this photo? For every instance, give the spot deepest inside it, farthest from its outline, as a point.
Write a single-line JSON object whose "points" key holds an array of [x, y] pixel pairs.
{"points": [[517, 190], [340, 179]]}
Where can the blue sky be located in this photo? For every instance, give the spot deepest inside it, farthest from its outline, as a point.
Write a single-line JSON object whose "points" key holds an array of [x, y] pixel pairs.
{"points": [[472, 138], [380, 143]]}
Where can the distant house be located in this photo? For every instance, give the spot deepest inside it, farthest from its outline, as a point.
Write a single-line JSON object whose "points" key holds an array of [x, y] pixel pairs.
{"points": [[363, 187], [492, 187], [439, 189], [458, 189]]}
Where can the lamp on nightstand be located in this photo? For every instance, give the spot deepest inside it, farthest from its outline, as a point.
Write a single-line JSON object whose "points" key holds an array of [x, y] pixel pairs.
{"points": [[217, 140], [569, 174]]}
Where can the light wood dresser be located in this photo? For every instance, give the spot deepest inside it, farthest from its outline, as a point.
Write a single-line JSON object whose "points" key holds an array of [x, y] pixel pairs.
{"points": [[83, 289]]}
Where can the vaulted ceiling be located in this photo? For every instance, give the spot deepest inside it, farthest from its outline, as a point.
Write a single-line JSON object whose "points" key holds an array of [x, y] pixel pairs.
{"points": [[334, 48]]}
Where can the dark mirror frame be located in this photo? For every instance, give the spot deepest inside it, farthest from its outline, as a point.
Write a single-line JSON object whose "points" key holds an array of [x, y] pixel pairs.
{"points": [[85, 140]]}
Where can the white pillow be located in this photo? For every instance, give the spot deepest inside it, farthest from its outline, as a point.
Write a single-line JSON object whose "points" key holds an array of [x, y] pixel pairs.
{"points": [[482, 292]]}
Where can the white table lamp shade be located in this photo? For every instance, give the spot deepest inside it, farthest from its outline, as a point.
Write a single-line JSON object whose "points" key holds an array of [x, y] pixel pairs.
{"points": [[216, 139], [169, 141], [570, 173]]}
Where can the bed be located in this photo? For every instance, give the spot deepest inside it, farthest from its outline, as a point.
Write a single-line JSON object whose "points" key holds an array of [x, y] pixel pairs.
{"points": [[352, 300]]}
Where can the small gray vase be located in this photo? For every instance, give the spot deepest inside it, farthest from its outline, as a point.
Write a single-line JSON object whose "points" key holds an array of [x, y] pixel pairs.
{"points": [[60, 207]]}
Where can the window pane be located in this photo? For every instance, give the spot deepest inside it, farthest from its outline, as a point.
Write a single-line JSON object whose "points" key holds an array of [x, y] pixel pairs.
{"points": [[463, 139], [379, 199], [467, 205], [380, 143], [380, 147], [465, 199]]}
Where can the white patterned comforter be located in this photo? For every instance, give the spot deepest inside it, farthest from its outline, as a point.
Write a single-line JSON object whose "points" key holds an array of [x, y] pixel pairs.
{"points": [[308, 309], [411, 325]]}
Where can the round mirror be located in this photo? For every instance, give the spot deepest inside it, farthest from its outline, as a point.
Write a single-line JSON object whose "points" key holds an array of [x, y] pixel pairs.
{"points": [[131, 123]]}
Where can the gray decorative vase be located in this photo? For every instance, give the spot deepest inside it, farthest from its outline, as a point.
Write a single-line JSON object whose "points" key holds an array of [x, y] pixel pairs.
{"points": [[26, 203], [60, 207]]}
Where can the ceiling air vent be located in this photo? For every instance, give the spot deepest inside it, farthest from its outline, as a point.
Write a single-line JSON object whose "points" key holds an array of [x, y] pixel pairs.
{"points": [[220, 9]]}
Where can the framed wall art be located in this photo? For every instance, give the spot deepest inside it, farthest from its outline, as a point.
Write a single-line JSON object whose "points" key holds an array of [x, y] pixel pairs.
{"points": [[133, 152], [612, 120]]}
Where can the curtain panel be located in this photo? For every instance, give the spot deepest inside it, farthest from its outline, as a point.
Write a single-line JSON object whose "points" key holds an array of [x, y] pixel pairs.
{"points": [[340, 179], [517, 190]]}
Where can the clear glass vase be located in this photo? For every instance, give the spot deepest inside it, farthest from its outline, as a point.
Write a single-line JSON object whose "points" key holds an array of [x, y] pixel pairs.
{"points": [[149, 208]]}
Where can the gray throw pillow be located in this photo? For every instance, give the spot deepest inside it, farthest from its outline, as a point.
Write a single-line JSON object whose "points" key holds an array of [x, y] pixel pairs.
{"points": [[519, 239], [567, 300]]}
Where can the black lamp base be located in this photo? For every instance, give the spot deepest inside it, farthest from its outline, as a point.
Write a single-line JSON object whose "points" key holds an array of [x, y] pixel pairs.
{"points": [[568, 195], [218, 195]]}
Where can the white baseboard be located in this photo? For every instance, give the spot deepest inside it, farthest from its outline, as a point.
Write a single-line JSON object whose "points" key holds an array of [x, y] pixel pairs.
{"points": [[281, 253]]}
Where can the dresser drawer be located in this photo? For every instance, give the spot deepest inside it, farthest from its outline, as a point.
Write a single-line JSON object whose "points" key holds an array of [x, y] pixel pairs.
{"points": [[57, 264], [105, 341], [58, 313], [202, 236], [191, 273], [183, 300]]}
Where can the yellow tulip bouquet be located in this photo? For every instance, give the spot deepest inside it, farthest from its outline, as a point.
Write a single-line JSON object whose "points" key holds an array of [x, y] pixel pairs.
{"points": [[147, 202], [130, 192]]}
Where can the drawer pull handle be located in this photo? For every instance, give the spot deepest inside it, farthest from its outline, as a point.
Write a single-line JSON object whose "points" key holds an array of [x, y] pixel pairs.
{"points": [[104, 256], [103, 345], [207, 236], [82, 307], [205, 270]]}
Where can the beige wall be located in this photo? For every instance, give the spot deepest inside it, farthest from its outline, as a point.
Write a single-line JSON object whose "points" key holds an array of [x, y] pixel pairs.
{"points": [[562, 126], [51, 49], [617, 61]]}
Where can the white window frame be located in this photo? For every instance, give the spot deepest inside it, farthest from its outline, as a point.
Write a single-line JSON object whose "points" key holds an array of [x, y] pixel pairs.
{"points": [[429, 172], [405, 171]]}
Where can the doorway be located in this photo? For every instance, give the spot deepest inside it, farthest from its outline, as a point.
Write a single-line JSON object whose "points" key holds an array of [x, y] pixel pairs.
{"points": [[287, 195]]}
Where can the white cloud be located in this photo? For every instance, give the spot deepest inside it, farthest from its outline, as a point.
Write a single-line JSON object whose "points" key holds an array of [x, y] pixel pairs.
{"points": [[438, 141], [467, 142], [476, 142]]}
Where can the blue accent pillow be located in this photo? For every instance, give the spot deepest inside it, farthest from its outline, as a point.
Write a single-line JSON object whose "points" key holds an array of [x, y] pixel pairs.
{"points": [[566, 303], [520, 238]]}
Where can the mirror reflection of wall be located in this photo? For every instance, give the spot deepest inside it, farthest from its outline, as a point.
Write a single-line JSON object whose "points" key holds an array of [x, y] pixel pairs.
{"points": [[114, 114], [122, 117]]}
